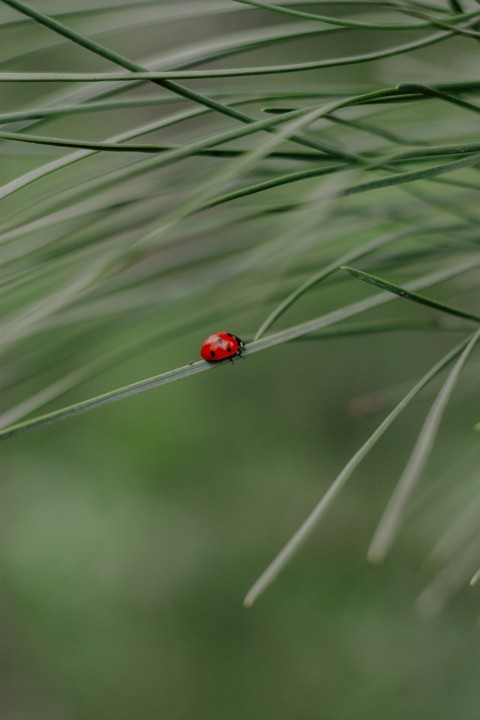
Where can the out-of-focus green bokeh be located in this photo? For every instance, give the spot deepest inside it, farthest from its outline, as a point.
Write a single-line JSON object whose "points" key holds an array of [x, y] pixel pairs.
{"points": [[130, 535]]}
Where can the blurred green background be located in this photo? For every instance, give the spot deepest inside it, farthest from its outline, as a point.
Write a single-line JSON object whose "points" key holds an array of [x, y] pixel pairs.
{"points": [[130, 535]]}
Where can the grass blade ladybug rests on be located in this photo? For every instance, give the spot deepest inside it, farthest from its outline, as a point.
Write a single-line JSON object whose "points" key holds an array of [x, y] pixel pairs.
{"points": [[221, 346]]}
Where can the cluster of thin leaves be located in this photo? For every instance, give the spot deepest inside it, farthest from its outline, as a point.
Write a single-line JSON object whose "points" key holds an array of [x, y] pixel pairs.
{"points": [[100, 235]]}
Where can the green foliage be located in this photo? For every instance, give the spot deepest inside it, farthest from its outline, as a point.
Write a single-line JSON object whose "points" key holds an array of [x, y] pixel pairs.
{"points": [[226, 180]]}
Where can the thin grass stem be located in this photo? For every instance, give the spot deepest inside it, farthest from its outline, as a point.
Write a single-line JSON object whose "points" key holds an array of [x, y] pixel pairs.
{"points": [[390, 522]]}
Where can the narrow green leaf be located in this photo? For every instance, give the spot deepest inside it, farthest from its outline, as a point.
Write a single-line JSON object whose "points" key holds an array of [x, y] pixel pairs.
{"points": [[437, 151], [407, 177], [286, 179], [147, 148], [342, 22], [392, 518], [437, 92], [445, 23], [408, 294], [389, 181]]}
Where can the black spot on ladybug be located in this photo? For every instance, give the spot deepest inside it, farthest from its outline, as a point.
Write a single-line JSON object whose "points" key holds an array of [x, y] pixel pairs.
{"points": [[212, 353], [229, 348]]}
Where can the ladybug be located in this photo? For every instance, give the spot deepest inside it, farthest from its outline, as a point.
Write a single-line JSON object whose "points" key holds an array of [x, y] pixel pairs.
{"points": [[221, 346]]}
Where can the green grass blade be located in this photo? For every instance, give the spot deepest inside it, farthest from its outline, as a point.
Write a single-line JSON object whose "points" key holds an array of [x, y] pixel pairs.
{"points": [[414, 175], [439, 93], [357, 24], [408, 294], [445, 23], [437, 151], [392, 518], [389, 181]]}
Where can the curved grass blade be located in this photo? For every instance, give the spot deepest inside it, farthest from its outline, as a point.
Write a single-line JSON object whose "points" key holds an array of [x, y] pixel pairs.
{"points": [[437, 92], [437, 151], [445, 23], [425, 174], [408, 294], [307, 527], [357, 24], [143, 148], [179, 10], [389, 181], [84, 144], [392, 518], [43, 112]]}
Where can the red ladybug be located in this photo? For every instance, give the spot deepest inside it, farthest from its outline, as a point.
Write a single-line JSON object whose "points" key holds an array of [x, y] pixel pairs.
{"points": [[221, 346]]}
